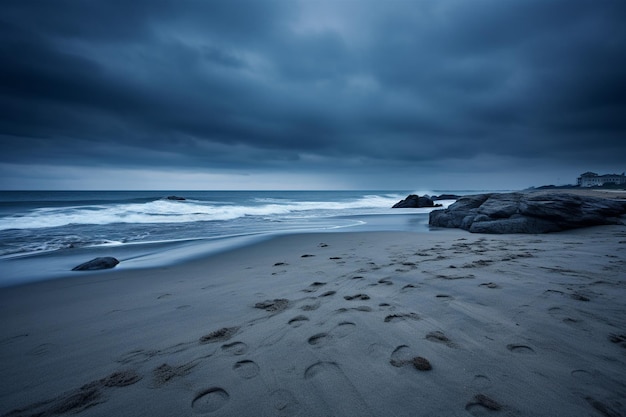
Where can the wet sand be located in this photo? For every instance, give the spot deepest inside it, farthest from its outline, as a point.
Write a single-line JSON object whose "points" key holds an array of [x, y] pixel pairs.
{"points": [[348, 324]]}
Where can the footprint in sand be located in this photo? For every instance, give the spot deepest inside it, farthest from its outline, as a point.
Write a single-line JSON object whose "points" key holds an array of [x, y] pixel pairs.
{"points": [[317, 339], [310, 307], [604, 409], [165, 373], [342, 330], [137, 356], [444, 297], [521, 349], [246, 369], [314, 287], [41, 350], [565, 317], [210, 400], [235, 348], [401, 356], [273, 306], [582, 375], [284, 401], [365, 309], [77, 400], [439, 337], [482, 405], [401, 317], [361, 297], [220, 335], [329, 383], [298, 321]]}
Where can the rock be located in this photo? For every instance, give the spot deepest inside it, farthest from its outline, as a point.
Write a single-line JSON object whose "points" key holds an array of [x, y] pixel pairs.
{"points": [[527, 213], [446, 197], [415, 201], [175, 198], [97, 263]]}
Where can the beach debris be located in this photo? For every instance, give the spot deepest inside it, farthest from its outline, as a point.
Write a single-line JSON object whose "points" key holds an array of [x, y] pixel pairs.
{"points": [[105, 262], [219, 335]]}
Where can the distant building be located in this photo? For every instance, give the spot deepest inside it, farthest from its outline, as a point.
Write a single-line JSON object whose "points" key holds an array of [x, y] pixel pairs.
{"points": [[591, 179]]}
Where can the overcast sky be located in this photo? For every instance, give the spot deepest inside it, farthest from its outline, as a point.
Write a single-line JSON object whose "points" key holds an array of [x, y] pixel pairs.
{"points": [[310, 94]]}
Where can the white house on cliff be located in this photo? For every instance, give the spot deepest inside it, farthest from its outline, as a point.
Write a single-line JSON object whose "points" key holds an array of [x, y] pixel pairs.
{"points": [[591, 179]]}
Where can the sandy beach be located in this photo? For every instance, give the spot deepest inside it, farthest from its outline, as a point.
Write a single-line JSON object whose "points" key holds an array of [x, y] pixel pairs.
{"points": [[340, 324]]}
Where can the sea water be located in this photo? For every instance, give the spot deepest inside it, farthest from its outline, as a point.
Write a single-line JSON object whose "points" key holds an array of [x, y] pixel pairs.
{"points": [[45, 233]]}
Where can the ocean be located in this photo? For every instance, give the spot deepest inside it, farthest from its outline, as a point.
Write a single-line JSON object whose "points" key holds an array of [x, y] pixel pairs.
{"points": [[43, 234]]}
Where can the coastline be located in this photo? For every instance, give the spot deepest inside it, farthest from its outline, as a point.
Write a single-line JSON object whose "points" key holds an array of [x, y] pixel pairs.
{"points": [[327, 323]]}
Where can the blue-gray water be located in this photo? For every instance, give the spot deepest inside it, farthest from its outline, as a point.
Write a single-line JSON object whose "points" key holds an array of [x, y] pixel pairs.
{"points": [[44, 234]]}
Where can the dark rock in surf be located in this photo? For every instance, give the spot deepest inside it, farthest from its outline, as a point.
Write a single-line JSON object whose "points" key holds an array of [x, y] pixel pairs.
{"points": [[106, 262], [527, 213], [175, 198], [416, 201], [446, 197]]}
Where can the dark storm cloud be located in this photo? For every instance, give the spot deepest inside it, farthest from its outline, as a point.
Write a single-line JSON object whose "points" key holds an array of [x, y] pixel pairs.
{"points": [[269, 83]]}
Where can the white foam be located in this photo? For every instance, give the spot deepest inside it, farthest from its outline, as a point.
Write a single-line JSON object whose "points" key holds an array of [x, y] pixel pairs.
{"points": [[166, 211]]}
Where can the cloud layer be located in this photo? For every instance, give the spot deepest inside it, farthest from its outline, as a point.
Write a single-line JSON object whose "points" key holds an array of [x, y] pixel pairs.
{"points": [[359, 89]]}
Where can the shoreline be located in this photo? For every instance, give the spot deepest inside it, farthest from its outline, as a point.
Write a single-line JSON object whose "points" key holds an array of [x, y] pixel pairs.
{"points": [[56, 264], [327, 323]]}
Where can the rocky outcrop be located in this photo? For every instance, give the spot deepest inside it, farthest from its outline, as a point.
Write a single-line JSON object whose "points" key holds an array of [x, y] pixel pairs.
{"points": [[527, 213], [106, 262], [415, 201], [175, 198]]}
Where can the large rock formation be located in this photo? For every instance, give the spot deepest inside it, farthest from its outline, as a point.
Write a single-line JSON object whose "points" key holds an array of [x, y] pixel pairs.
{"points": [[527, 213], [105, 262]]}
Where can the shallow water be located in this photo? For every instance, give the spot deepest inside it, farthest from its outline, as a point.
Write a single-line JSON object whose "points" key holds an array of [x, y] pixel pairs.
{"points": [[45, 234]]}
